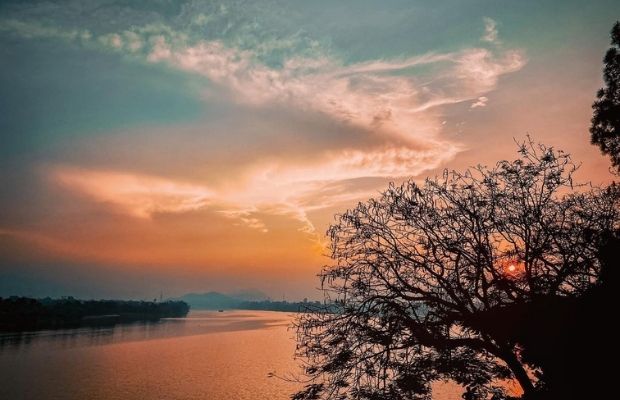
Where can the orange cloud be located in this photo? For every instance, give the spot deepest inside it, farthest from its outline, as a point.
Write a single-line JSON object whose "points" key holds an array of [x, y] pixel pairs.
{"points": [[268, 188], [138, 195]]}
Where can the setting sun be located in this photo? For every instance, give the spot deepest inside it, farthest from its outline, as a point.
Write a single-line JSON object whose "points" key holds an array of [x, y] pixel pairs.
{"points": [[511, 268]]}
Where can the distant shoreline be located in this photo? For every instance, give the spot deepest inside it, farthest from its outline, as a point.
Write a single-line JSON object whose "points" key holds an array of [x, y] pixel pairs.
{"points": [[19, 314], [257, 301], [279, 306]]}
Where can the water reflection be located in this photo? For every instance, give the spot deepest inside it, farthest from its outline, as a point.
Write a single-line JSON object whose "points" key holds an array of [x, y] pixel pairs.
{"points": [[208, 355], [197, 323]]}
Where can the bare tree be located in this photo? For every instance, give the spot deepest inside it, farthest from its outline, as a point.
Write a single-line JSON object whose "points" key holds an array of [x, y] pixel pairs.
{"points": [[415, 271]]}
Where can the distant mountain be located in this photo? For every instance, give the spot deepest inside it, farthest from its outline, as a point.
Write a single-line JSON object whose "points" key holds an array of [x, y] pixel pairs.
{"points": [[210, 301], [249, 295], [246, 300]]}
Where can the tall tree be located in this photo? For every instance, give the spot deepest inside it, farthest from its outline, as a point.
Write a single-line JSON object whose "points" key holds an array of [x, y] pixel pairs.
{"points": [[424, 278], [605, 128]]}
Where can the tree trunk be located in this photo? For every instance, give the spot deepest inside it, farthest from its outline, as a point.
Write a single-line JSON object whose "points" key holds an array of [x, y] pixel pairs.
{"points": [[518, 371]]}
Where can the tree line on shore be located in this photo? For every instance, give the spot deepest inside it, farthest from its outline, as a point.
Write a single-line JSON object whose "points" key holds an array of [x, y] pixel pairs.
{"points": [[23, 313]]}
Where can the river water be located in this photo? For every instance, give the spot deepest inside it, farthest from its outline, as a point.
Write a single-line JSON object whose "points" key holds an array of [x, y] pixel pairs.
{"points": [[207, 356]]}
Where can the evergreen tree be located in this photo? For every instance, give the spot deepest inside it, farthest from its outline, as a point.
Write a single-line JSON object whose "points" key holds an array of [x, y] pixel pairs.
{"points": [[605, 127]]}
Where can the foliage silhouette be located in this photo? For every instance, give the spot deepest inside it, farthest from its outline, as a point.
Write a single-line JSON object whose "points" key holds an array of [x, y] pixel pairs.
{"points": [[440, 281], [570, 338], [605, 128]]}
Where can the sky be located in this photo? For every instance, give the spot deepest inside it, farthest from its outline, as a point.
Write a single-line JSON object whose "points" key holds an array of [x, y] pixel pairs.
{"points": [[188, 146]]}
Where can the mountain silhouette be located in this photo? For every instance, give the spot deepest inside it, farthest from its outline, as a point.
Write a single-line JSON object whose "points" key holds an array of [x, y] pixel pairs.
{"points": [[217, 301]]}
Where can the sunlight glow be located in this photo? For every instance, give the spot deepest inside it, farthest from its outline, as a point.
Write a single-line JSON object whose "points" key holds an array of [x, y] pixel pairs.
{"points": [[511, 268]]}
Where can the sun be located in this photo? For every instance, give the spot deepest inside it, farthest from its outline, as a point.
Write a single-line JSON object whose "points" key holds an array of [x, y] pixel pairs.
{"points": [[511, 268]]}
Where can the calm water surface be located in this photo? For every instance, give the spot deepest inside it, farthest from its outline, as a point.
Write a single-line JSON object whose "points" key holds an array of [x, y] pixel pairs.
{"points": [[209, 355]]}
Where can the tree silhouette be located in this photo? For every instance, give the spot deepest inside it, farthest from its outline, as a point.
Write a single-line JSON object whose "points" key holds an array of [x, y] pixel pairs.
{"points": [[425, 279], [605, 128]]}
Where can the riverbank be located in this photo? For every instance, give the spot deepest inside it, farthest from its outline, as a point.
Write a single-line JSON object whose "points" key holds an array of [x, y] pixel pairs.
{"points": [[22, 313]]}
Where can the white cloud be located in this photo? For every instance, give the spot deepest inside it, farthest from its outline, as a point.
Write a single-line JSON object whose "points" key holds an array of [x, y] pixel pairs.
{"points": [[490, 31], [478, 70], [481, 102], [160, 50], [112, 40], [384, 97], [36, 30], [245, 216], [133, 41]]}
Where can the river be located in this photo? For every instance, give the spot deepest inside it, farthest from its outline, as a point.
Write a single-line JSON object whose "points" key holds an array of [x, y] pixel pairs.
{"points": [[208, 356]]}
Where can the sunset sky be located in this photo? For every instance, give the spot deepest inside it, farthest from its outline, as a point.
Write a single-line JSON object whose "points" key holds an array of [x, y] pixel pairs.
{"points": [[206, 145]]}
